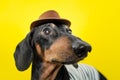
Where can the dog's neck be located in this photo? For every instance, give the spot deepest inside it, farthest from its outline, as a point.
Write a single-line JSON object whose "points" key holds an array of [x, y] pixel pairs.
{"points": [[44, 70], [49, 71]]}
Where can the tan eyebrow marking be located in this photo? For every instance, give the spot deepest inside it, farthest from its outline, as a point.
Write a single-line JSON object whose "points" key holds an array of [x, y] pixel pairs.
{"points": [[52, 25]]}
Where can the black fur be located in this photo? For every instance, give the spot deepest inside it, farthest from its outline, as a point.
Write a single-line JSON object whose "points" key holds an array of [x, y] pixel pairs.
{"points": [[25, 52]]}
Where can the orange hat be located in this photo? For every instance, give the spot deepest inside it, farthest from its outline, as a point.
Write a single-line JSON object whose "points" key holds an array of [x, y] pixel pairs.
{"points": [[49, 16]]}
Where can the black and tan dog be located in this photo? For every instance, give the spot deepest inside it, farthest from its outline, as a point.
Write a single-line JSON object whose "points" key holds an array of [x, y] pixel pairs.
{"points": [[50, 46]]}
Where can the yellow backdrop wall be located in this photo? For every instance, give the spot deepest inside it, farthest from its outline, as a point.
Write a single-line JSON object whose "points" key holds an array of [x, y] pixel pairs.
{"points": [[95, 21]]}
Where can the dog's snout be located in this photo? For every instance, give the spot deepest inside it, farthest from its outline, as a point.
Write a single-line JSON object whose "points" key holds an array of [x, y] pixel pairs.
{"points": [[81, 49]]}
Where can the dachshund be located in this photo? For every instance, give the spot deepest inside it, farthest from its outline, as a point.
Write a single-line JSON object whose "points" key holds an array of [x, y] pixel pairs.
{"points": [[54, 53]]}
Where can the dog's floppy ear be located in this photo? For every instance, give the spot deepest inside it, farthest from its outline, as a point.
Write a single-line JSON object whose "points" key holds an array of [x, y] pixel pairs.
{"points": [[24, 54]]}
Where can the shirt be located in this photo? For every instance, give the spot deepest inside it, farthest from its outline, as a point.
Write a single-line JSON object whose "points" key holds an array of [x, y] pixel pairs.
{"points": [[83, 72]]}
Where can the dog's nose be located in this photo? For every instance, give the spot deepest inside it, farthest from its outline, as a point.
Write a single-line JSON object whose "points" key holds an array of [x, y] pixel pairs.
{"points": [[81, 49]]}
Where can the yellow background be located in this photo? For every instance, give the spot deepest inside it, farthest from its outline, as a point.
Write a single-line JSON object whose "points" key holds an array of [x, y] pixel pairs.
{"points": [[95, 21]]}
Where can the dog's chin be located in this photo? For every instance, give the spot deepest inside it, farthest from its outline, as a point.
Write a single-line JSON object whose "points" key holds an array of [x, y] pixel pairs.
{"points": [[66, 61]]}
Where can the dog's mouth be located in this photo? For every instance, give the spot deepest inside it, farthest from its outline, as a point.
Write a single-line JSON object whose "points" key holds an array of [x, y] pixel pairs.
{"points": [[70, 60], [73, 58], [74, 63], [64, 62]]}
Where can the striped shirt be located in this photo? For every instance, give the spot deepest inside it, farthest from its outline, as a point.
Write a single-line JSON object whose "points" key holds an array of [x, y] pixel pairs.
{"points": [[83, 72]]}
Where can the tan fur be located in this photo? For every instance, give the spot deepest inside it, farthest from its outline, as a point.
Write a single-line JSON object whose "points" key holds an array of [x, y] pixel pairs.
{"points": [[39, 51], [49, 71], [61, 50], [52, 25]]}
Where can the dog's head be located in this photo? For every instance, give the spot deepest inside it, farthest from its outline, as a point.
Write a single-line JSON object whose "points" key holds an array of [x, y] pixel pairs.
{"points": [[53, 43]]}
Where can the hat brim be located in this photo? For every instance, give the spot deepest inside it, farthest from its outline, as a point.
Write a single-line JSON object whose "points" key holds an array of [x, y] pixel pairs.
{"points": [[42, 21]]}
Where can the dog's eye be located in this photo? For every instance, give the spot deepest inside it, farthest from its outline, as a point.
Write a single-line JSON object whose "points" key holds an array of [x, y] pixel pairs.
{"points": [[46, 31]]}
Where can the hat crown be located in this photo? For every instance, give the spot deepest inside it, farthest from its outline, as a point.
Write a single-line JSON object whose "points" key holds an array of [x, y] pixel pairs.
{"points": [[51, 14]]}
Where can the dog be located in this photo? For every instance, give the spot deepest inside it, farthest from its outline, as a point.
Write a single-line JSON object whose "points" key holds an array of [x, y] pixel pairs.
{"points": [[54, 51]]}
